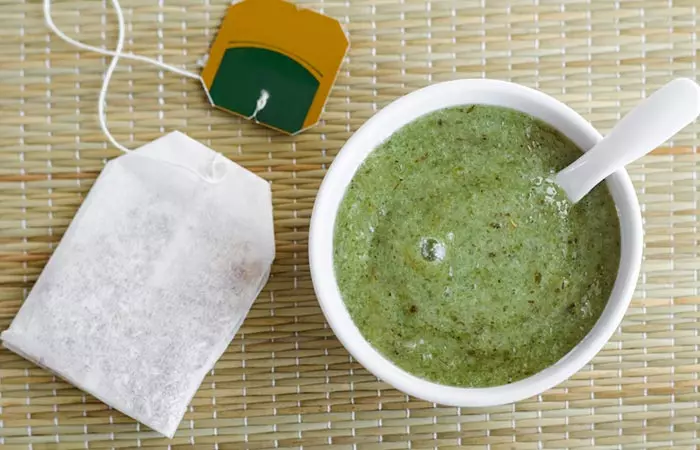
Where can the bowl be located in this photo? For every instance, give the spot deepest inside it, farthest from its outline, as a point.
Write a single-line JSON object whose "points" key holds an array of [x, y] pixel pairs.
{"points": [[377, 130]]}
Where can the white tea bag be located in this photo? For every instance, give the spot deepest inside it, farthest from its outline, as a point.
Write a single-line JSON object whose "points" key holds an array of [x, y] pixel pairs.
{"points": [[152, 279]]}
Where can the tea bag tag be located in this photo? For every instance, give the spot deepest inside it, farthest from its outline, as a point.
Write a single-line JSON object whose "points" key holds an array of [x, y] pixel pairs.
{"points": [[274, 63]]}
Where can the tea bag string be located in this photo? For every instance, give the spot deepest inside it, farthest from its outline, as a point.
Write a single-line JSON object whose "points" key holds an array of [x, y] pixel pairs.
{"points": [[116, 54]]}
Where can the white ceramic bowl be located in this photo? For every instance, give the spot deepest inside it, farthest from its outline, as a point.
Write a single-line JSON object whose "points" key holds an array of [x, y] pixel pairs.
{"points": [[378, 129]]}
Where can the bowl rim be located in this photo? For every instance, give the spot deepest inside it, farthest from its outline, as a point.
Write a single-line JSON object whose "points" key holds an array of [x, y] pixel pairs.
{"points": [[380, 127]]}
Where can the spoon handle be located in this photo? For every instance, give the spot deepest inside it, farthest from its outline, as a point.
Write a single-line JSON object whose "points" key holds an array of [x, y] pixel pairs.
{"points": [[647, 126]]}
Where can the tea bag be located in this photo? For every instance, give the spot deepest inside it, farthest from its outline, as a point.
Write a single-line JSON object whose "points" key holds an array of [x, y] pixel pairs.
{"points": [[151, 280]]}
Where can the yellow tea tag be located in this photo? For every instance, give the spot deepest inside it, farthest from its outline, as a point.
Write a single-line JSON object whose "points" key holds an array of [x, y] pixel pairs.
{"points": [[274, 63]]}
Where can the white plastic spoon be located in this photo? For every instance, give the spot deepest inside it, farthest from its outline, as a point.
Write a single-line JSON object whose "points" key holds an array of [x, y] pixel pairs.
{"points": [[650, 124]]}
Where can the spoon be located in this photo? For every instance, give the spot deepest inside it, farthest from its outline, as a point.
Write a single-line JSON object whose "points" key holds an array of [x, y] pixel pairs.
{"points": [[650, 124]]}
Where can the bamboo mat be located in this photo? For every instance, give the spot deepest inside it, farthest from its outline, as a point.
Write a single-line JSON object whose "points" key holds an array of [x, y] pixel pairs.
{"points": [[285, 381]]}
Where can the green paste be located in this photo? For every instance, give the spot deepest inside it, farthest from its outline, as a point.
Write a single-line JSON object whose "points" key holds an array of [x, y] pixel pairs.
{"points": [[458, 258]]}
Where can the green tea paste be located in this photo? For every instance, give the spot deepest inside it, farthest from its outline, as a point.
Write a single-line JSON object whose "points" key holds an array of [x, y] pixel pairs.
{"points": [[458, 258]]}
